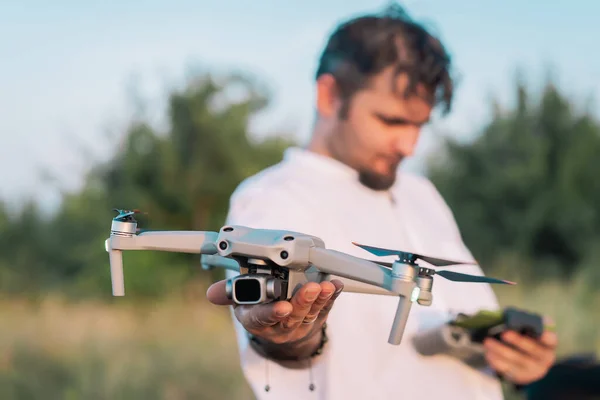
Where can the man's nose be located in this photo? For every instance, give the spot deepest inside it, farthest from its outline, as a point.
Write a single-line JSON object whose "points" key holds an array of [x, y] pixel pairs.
{"points": [[406, 141]]}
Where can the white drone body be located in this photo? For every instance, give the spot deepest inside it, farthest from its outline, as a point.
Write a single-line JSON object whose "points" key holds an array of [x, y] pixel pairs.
{"points": [[273, 264]]}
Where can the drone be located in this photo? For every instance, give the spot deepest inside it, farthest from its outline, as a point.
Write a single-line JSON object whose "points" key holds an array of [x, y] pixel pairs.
{"points": [[273, 264]]}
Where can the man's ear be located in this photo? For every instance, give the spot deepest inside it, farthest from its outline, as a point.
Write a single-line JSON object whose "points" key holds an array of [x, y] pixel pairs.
{"points": [[328, 99]]}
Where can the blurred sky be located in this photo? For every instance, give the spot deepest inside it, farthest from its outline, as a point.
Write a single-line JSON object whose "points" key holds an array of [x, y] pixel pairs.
{"points": [[66, 67]]}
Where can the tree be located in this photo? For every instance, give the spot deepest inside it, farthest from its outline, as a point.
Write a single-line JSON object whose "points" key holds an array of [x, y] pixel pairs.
{"points": [[527, 184], [182, 178]]}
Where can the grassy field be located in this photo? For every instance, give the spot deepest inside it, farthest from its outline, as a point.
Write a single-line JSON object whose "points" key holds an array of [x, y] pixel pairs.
{"points": [[173, 350], [184, 348], [573, 307]]}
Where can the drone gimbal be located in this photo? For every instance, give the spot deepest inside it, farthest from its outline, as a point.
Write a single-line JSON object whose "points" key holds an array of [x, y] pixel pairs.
{"points": [[273, 264]]}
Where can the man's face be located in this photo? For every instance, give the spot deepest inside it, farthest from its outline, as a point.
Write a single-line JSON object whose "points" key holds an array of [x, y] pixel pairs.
{"points": [[380, 129]]}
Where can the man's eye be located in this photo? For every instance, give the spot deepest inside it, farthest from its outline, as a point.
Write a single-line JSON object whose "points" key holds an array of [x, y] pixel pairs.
{"points": [[393, 121]]}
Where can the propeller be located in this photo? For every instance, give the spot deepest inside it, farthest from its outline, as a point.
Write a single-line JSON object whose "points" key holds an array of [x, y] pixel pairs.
{"points": [[460, 277], [410, 258], [126, 215]]}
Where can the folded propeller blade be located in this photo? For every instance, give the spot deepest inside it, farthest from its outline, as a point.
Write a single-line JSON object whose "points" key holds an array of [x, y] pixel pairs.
{"points": [[460, 277], [438, 262]]}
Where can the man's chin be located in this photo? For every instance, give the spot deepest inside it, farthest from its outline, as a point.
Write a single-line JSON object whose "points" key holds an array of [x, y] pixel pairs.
{"points": [[376, 181]]}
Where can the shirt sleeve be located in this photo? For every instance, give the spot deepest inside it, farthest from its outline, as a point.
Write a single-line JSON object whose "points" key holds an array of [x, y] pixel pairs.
{"points": [[483, 295], [486, 297], [270, 209]]}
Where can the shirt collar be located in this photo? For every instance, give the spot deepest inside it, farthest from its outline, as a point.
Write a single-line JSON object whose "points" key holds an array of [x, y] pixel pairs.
{"points": [[321, 163]]}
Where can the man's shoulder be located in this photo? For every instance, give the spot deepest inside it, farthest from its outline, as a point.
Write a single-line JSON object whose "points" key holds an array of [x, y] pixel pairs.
{"points": [[276, 181], [412, 182], [276, 197], [421, 191]]}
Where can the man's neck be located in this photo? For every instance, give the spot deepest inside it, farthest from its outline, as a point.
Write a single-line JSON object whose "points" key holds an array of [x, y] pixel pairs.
{"points": [[318, 145]]}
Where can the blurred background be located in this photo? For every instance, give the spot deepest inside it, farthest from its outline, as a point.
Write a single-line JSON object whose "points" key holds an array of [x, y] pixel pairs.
{"points": [[166, 106]]}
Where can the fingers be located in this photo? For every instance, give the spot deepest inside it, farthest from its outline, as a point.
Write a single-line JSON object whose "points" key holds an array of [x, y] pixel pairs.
{"points": [[549, 339], [521, 359], [313, 301], [260, 316], [541, 350], [216, 294], [339, 287], [499, 364], [505, 355], [327, 290], [517, 368], [302, 302]]}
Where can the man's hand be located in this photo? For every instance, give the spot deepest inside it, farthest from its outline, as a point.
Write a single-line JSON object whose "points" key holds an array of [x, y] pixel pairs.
{"points": [[527, 362], [292, 325]]}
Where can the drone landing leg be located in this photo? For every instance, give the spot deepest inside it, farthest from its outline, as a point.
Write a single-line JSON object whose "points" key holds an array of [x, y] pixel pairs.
{"points": [[116, 272], [402, 312]]}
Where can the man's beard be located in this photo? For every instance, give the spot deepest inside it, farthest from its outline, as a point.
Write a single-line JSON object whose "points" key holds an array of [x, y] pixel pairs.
{"points": [[338, 144], [376, 181]]}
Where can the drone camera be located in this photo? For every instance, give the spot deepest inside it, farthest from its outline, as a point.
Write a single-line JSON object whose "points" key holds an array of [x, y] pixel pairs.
{"points": [[248, 290], [424, 280], [254, 288], [425, 284]]}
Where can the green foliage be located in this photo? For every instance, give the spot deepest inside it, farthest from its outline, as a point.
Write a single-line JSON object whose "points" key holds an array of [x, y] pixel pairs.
{"points": [[182, 178], [528, 184]]}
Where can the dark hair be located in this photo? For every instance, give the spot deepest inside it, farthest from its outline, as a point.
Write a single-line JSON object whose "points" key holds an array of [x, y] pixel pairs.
{"points": [[362, 47]]}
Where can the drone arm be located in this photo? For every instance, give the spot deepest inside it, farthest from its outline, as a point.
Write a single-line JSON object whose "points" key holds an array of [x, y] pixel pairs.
{"points": [[197, 242], [210, 261], [352, 286], [343, 265], [176, 241], [346, 266]]}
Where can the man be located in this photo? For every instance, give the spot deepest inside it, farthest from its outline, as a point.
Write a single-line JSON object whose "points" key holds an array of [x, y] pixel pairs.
{"points": [[378, 81]]}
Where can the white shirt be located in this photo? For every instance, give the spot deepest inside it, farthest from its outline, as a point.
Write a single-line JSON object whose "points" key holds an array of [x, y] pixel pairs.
{"points": [[317, 195]]}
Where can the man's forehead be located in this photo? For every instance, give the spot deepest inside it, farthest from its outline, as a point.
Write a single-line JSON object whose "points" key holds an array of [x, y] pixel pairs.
{"points": [[387, 79], [388, 96]]}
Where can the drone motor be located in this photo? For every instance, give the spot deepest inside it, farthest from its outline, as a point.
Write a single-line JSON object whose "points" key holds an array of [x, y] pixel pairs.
{"points": [[406, 270], [125, 223], [121, 228]]}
